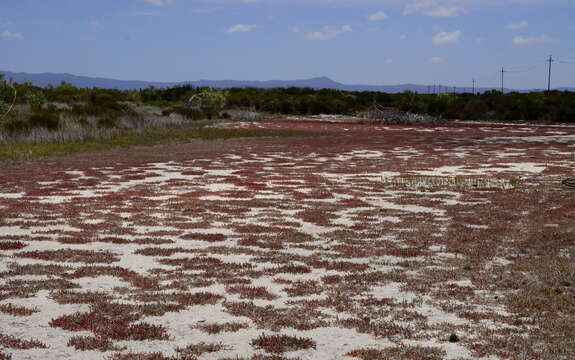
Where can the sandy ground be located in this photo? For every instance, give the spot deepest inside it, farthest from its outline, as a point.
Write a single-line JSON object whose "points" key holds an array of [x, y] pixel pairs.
{"points": [[348, 240]]}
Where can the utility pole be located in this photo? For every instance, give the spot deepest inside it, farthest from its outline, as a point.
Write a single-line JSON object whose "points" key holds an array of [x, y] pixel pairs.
{"points": [[502, 72], [549, 77], [434, 88], [473, 91]]}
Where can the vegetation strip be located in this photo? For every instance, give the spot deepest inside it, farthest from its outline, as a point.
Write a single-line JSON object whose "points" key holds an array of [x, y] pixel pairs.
{"points": [[25, 151]]}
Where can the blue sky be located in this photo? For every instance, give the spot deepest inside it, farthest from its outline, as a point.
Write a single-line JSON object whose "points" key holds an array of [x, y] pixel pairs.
{"points": [[383, 42]]}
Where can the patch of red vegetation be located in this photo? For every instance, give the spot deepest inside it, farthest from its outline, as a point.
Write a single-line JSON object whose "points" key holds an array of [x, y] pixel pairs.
{"points": [[194, 350], [15, 310], [12, 342], [304, 288], [282, 343], [400, 352], [216, 328], [204, 237], [12, 245], [256, 229], [76, 297], [251, 292], [213, 267], [290, 269], [269, 317], [28, 288], [71, 255], [113, 321], [182, 298], [338, 265], [130, 276], [84, 343], [139, 356], [261, 242]]}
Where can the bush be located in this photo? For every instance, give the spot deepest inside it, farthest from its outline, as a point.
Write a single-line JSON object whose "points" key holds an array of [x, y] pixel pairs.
{"points": [[15, 125], [107, 122], [475, 109], [35, 99], [209, 102], [6, 96], [45, 119]]}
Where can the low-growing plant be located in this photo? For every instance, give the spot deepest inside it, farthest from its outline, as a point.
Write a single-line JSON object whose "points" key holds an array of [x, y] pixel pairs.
{"points": [[453, 338], [216, 328], [15, 310], [12, 342], [194, 350], [84, 343], [282, 343], [44, 119]]}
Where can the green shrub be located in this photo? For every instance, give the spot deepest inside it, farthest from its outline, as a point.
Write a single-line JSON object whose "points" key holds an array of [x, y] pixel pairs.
{"points": [[46, 119], [35, 99], [475, 109], [208, 101], [15, 125], [107, 123], [453, 338]]}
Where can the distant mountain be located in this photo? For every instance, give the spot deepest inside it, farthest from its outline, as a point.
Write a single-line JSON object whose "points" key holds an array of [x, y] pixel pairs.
{"points": [[46, 79]]}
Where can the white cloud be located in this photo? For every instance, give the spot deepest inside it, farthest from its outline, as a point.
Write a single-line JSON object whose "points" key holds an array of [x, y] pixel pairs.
{"points": [[447, 38], [241, 28], [11, 35], [445, 11], [437, 8], [158, 2], [327, 33], [519, 25], [378, 16], [528, 40], [402, 36], [417, 6], [435, 60]]}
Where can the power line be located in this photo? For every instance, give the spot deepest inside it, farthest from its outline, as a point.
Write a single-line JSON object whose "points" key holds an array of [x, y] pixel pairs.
{"points": [[521, 71]]}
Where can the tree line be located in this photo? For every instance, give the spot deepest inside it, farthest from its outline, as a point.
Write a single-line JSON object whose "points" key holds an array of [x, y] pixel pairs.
{"points": [[198, 103]]}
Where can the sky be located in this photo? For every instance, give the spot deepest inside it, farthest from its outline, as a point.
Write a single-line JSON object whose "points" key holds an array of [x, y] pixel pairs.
{"points": [[376, 42]]}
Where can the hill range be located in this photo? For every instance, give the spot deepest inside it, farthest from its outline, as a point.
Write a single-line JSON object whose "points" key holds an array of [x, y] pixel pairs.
{"points": [[317, 83]]}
